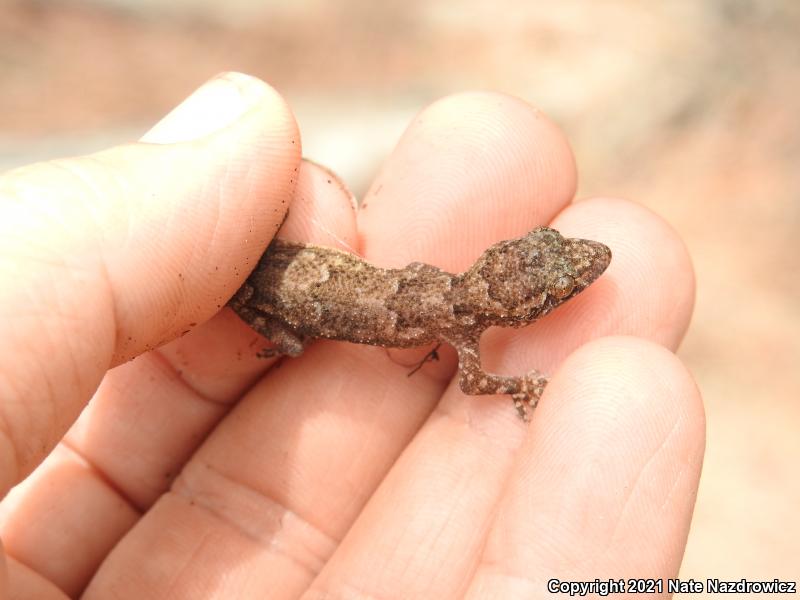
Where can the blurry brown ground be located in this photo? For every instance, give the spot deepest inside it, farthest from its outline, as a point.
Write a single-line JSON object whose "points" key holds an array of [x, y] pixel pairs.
{"points": [[690, 108]]}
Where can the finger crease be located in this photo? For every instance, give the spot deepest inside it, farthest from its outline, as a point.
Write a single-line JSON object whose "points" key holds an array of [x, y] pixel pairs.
{"points": [[255, 514], [101, 475]]}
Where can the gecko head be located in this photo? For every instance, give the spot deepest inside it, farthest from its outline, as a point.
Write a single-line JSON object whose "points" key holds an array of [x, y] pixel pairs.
{"points": [[526, 278]]}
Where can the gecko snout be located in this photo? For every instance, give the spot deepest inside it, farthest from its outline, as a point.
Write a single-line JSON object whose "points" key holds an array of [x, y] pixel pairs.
{"points": [[590, 259]]}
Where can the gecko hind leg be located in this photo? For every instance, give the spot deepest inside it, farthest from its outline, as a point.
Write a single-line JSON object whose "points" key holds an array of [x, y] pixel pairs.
{"points": [[287, 342]]}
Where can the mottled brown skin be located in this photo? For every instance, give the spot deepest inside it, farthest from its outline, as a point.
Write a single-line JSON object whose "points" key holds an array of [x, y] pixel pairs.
{"points": [[298, 292]]}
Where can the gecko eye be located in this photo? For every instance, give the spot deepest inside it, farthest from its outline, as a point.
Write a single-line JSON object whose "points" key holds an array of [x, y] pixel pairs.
{"points": [[563, 287]]}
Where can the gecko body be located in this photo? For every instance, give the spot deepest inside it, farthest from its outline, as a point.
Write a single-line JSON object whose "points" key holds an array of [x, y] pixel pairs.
{"points": [[299, 292]]}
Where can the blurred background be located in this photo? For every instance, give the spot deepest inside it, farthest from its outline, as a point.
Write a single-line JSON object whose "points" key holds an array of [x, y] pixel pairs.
{"points": [[690, 108]]}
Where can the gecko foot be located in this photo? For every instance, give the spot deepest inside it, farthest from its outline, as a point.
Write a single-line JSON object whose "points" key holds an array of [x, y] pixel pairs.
{"points": [[527, 398], [430, 356]]}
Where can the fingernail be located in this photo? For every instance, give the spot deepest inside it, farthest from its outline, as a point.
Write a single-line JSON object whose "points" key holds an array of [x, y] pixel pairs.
{"points": [[216, 104]]}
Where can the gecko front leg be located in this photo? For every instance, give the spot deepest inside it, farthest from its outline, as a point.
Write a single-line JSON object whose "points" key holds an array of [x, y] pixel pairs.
{"points": [[525, 391]]}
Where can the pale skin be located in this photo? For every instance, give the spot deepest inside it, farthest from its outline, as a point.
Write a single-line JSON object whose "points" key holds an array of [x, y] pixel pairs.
{"points": [[202, 471]]}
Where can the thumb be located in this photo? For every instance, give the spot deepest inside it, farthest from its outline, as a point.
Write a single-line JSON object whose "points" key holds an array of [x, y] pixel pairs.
{"points": [[105, 256]]}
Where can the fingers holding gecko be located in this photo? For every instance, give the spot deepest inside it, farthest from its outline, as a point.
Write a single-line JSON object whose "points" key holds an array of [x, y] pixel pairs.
{"points": [[147, 418], [307, 446], [325, 408], [346, 385], [447, 481]]}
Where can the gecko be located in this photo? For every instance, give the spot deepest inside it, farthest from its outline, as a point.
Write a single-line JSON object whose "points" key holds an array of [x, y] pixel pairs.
{"points": [[298, 292]]}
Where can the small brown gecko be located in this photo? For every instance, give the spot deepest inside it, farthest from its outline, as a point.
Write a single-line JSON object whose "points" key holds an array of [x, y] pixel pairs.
{"points": [[298, 292]]}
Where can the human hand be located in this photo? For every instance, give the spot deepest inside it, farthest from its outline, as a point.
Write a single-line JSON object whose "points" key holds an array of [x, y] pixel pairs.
{"points": [[201, 471]]}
